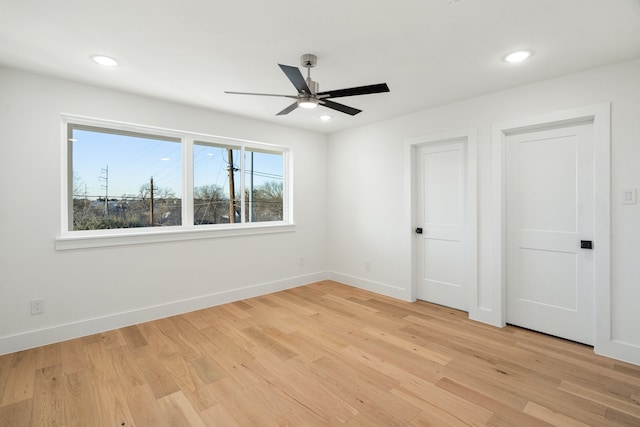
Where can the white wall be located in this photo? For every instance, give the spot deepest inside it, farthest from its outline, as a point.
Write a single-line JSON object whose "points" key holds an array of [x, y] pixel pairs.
{"points": [[90, 290], [367, 219]]}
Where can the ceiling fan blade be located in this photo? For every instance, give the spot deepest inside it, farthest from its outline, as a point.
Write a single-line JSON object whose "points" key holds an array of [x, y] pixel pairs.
{"points": [[294, 74], [360, 90], [260, 94], [340, 107], [289, 109]]}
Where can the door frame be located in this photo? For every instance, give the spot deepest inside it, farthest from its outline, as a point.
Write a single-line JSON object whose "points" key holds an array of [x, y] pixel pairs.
{"points": [[600, 116], [468, 137]]}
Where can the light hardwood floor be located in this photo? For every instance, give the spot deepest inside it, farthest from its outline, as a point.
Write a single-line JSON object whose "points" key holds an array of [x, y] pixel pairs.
{"points": [[323, 354]]}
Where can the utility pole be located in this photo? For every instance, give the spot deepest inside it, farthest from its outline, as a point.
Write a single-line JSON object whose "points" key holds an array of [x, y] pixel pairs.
{"points": [[151, 202], [85, 202], [232, 191], [105, 186]]}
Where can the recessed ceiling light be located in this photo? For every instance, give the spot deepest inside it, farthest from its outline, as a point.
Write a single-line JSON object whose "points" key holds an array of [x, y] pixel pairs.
{"points": [[325, 117], [105, 61], [518, 56]]}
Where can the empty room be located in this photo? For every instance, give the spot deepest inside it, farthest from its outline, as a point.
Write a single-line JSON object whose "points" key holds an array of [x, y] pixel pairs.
{"points": [[301, 213]]}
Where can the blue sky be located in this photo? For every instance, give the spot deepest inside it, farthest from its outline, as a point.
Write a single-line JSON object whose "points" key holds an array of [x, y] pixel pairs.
{"points": [[132, 161]]}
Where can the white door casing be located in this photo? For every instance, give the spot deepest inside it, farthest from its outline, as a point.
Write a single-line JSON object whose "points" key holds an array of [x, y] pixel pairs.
{"points": [[494, 307], [549, 210]]}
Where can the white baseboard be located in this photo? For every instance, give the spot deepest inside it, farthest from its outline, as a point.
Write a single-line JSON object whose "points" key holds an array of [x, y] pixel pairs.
{"points": [[53, 334], [485, 315], [619, 350], [370, 285]]}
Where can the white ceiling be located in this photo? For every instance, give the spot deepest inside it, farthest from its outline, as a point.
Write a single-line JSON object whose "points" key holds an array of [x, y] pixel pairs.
{"points": [[430, 52]]}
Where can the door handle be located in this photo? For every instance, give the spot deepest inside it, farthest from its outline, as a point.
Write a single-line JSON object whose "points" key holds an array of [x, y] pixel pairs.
{"points": [[586, 244], [418, 230]]}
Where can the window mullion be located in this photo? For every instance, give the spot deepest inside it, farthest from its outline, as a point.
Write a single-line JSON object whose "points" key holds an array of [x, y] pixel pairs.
{"points": [[187, 183], [287, 187], [242, 195], [67, 178]]}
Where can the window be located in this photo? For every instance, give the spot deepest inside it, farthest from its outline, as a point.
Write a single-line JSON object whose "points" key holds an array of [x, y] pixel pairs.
{"points": [[263, 186], [216, 181], [220, 182], [124, 179]]}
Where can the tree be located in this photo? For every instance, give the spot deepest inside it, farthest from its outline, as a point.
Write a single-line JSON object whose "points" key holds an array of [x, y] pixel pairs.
{"points": [[209, 202], [78, 185], [268, 202], [159, 193], [166, 207]]}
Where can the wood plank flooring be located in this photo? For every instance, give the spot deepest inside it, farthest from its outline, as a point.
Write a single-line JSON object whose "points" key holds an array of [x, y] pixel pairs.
{"points": [[319, 355]]}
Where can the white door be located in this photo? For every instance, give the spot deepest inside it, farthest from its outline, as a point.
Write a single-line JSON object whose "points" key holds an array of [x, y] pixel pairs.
{"points": [[440, 212], [550, 210]]}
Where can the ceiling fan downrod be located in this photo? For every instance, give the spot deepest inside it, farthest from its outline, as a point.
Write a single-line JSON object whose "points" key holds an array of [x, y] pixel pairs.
{"points": [[309, 61]]}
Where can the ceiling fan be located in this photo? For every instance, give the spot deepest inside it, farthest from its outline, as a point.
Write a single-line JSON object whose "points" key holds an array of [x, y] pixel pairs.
{"points": [[308, 95]]}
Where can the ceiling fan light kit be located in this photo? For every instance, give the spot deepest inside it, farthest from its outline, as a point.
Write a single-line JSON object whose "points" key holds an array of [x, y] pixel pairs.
{"points": [[307, 102], [309, 95]]}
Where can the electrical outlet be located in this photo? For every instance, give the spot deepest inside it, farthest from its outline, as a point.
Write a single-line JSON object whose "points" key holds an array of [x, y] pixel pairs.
{"points": [[301, 262], [367, 266], [37, 306], [630, 196]]}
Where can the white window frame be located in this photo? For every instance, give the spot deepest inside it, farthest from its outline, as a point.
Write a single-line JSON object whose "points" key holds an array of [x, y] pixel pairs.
{"points": [[78, 239]]}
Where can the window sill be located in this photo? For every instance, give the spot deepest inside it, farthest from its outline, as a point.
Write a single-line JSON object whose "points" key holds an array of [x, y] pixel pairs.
{"points": [[93, 239]]}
